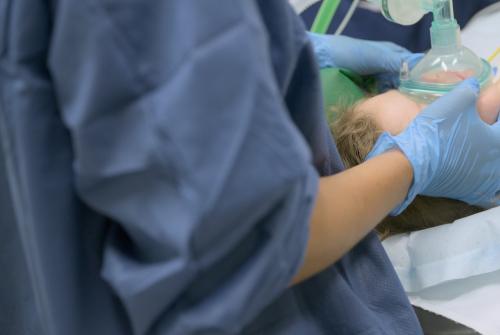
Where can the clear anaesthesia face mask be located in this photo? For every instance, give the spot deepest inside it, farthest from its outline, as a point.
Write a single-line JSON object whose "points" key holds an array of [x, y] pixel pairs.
{"points": [[448, 62], [440, 72]]}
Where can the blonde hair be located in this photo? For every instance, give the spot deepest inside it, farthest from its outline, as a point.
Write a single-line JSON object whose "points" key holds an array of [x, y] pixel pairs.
{"points": [[356, 134]]}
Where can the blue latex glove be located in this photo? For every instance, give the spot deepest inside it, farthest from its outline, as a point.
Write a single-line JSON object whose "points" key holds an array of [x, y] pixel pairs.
{"points": [[381, 59], [454, 154]]}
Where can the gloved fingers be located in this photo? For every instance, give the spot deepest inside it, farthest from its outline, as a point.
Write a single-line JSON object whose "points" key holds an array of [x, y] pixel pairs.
{"points": [[413, 59], [389, 56], [390, 46], [390, 80], [462, 99], [361, 56], [384, 62], [371, 57]]}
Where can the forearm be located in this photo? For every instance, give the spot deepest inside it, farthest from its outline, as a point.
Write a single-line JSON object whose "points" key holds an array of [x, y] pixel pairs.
{"points": [[351, 204]]}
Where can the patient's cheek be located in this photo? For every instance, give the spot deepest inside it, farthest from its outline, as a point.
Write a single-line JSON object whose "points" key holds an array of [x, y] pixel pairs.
{"points": [[447, 77]]}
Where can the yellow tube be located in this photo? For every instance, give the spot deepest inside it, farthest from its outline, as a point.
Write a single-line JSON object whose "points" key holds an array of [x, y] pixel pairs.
{"points": [[494, 55]]}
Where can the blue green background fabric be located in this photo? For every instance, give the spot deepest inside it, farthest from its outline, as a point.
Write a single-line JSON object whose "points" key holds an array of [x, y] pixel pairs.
{"points": [[340, 88]]}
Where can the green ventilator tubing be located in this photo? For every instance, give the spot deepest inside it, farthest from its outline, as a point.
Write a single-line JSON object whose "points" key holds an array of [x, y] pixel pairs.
{"points": [[325, 16]]}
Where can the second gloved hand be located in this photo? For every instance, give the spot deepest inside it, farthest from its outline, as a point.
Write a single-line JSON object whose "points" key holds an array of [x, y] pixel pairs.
{"points": [[381, 59], [454, 154]]}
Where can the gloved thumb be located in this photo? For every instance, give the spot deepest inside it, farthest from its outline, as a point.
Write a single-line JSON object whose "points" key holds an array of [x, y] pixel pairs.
{"points": [[462, 98], [414, 59]]}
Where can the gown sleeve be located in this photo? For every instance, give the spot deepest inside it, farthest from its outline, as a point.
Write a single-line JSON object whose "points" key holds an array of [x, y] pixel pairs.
{"points": [[182, 140]]}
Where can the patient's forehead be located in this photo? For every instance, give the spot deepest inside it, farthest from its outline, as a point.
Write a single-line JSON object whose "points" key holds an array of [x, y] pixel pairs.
{"points": [[392, 111]]}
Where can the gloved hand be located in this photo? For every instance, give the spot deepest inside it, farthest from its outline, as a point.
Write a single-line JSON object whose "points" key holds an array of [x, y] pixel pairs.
{"points": [[454, 154], [381, 59]]}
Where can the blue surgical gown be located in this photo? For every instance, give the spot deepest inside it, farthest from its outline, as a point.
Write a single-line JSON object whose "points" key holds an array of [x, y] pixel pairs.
{"points": [[162, 160]]}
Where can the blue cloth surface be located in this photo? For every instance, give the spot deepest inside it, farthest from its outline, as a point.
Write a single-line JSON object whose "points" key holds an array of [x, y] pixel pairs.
{"points": [[17, 302], [369, 25], [163, 162]]}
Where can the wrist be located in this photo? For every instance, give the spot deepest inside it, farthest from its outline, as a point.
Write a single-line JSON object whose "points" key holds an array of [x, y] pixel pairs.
{"points": [[403, 175], [403, 147]]}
